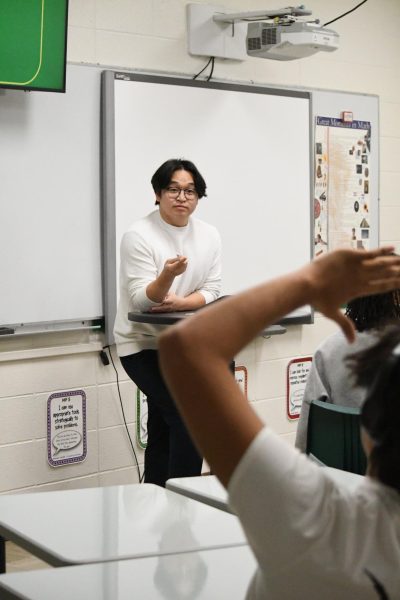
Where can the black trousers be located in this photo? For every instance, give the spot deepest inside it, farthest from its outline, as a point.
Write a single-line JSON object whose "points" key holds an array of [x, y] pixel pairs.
{"points": [[170, 451]]}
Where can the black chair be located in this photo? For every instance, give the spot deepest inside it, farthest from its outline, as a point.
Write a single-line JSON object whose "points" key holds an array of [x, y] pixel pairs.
{"points": [[333, 436]]}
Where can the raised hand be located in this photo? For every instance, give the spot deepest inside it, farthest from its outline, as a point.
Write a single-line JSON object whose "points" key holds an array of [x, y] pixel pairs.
{"points": [[346, 274]]}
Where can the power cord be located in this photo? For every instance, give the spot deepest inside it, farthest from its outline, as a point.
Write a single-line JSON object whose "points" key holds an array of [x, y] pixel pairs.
{"points": [[344, 14], [210, 60], [380, 590], [212, 68], [104, 359]]}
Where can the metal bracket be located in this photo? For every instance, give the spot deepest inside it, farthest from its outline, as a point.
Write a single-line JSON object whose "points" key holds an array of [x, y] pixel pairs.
{"points": [[206, 37]]}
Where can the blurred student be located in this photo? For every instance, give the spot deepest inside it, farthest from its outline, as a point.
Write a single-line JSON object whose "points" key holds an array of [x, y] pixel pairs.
{"points": [[330, 375], [312, 537]]}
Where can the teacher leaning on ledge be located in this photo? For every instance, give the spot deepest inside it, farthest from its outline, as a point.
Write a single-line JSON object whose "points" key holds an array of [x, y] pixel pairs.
{"points": [[170, 261]]}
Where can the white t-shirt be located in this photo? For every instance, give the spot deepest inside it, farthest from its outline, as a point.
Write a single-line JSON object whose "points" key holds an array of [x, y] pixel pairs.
{"points": [[314, 539], [144, 249]]}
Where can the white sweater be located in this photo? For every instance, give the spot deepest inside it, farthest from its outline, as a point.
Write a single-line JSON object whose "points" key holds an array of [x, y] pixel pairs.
{"points": [[145, 247]]}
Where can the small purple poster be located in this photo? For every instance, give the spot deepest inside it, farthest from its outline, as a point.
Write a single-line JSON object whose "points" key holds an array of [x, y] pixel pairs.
{"points": [[66, 428]]}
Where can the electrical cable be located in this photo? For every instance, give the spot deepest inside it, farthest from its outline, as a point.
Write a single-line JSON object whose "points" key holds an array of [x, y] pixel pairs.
{"points": [[212, 58], [380, 590], [141, 476], [344, 14], [212, 69]]}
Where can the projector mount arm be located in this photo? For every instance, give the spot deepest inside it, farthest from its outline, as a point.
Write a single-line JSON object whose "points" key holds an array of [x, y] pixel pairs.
{"points": [[261, 15], [281, 16]]}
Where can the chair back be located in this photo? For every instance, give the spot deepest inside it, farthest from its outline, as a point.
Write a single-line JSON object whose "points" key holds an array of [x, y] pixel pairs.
{"points": [[333, 436]]}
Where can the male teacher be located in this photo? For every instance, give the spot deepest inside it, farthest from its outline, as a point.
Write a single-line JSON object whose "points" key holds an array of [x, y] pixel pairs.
{"points": [[170, 261]]}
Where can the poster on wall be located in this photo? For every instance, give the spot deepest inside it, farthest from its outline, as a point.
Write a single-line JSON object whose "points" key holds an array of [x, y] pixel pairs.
{"points": [[66, 428], [297, 373], [341, 184]]}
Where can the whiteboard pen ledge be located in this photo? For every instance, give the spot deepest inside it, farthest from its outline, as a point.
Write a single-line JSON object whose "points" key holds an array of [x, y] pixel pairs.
{"points": [[45, 352]]}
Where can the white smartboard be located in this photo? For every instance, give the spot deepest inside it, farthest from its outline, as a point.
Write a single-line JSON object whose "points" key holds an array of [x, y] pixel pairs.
{"points": [[252, 145], [50, 248]]}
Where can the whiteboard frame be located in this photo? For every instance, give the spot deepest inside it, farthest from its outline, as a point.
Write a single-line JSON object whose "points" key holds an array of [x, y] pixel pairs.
{"points": [[110, 276]]}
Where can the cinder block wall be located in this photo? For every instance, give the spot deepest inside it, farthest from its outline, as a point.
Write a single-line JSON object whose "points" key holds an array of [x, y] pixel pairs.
{"points": [[150, 35]]}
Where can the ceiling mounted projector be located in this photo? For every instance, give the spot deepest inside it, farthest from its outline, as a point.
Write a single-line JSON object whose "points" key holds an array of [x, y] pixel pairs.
{"points": [[288, 42], [281, 34]]}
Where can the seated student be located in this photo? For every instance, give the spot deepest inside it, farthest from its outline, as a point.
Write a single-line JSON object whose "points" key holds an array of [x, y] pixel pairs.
{"points": [[330, 375], [313, 537]]}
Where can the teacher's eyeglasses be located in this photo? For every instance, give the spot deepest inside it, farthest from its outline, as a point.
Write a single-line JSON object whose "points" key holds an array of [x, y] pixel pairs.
{"points": [[175, 192]]}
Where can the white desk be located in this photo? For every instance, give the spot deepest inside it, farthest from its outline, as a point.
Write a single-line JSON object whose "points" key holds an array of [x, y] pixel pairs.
{"points": [[222, 574], [205, 488], [112, 523], [208, 489]]}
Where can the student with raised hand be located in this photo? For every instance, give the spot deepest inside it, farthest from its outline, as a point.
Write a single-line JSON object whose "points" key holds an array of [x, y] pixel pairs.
{"points": [[312, 537], [170, 261], [330, 375]]}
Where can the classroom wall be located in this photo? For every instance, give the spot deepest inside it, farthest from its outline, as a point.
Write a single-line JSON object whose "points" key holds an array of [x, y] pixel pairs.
{"points": [[150, 35]]}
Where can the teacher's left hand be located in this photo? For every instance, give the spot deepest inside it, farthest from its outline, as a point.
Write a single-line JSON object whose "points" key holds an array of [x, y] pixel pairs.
{"points": [[171, 303]]}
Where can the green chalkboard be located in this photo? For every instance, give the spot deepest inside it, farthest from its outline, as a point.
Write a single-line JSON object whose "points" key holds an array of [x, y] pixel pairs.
{"points": [[33, 44]]}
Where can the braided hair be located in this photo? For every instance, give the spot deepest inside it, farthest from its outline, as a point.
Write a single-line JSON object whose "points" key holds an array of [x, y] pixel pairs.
{"points": [[378, 369], [373, 312]]}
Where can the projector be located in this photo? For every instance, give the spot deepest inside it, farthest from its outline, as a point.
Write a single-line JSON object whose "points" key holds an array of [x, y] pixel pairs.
{"points": [[288, 42]]}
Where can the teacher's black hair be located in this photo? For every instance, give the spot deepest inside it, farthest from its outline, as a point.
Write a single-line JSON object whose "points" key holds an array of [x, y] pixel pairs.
{"points": [[162, 177]]}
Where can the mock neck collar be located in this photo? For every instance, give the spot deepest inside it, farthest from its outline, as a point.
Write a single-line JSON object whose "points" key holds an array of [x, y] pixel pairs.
{"points": [[172, 228]]}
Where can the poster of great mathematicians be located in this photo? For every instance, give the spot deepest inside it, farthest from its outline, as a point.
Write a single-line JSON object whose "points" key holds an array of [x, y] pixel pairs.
{"points": [[342, 189]]}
